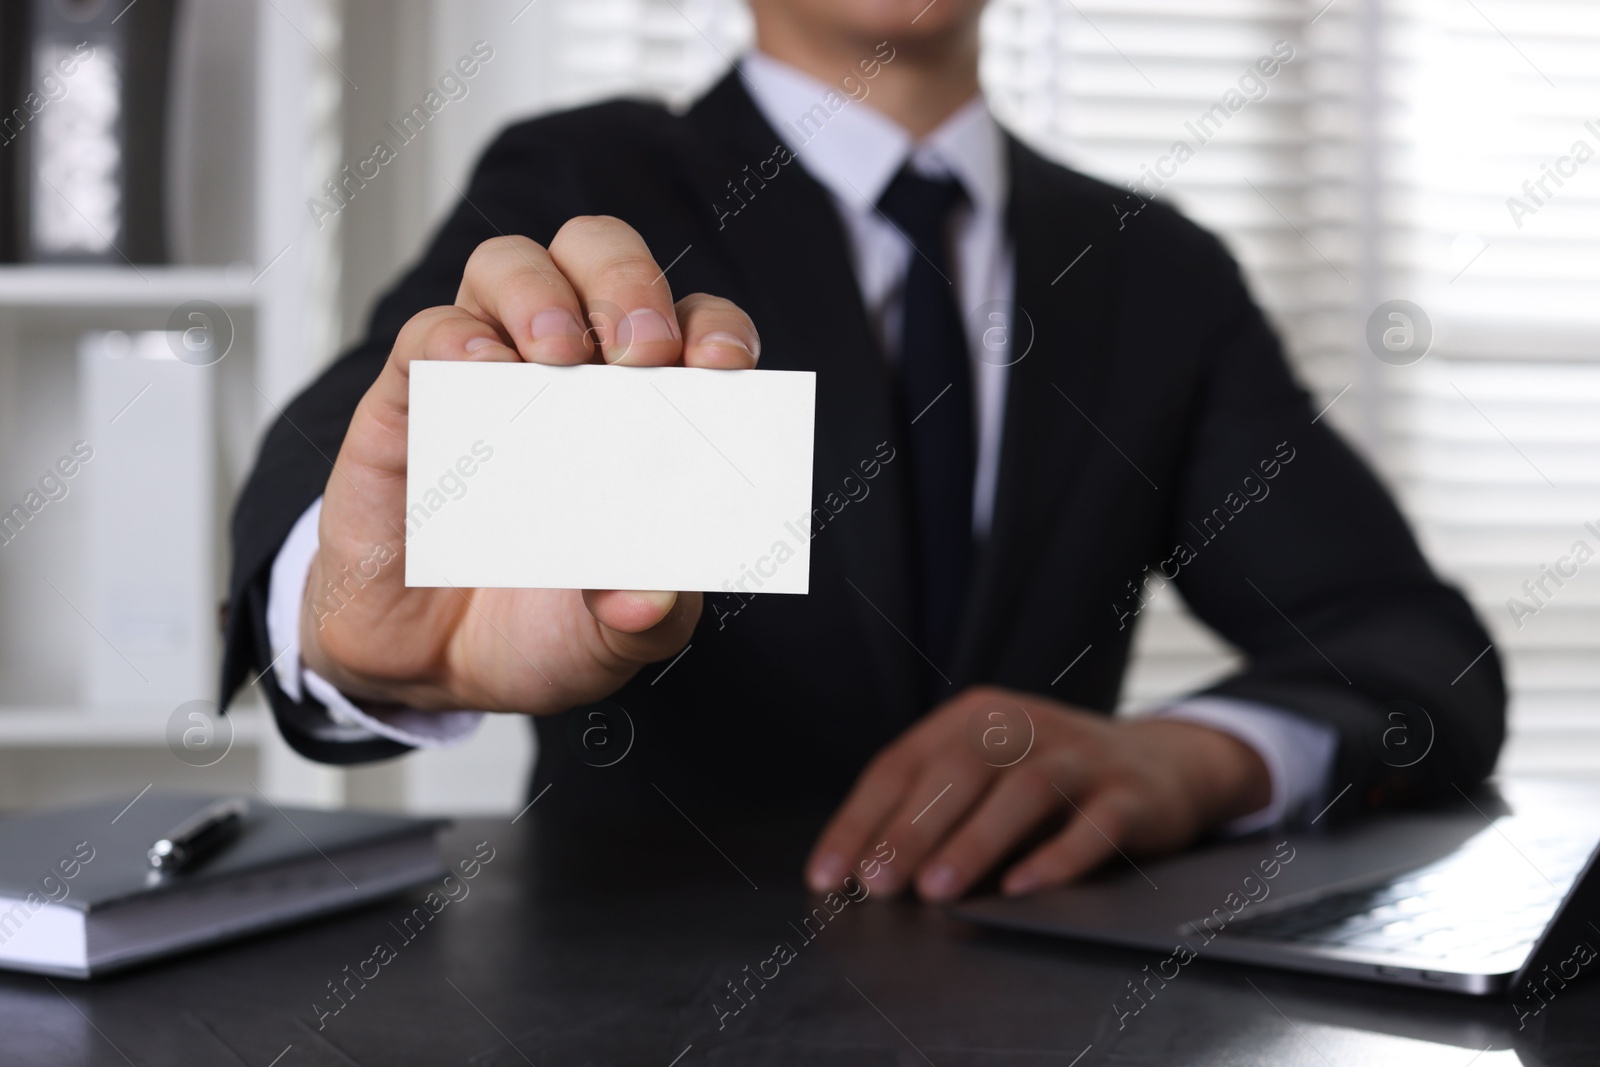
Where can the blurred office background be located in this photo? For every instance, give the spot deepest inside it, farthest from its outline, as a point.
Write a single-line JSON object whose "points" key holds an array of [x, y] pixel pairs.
{"points": [[1376, 165]]}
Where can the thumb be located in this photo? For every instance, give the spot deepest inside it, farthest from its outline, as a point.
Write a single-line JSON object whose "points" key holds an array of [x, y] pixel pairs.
{"points": [[643, 626]]}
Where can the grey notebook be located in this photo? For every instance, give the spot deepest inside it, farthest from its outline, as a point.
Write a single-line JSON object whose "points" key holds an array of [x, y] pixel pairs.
{"points": [[78, 896]]}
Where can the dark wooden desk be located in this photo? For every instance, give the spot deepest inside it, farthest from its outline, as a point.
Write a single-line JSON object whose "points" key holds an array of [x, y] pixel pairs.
{"points": [[582, 943]]}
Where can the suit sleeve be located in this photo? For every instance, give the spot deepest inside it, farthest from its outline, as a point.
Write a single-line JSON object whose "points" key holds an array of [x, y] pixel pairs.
{"points": [[521, 186], [1300, 558]]}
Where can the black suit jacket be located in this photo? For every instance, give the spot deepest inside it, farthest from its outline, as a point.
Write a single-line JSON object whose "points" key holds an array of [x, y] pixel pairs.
{"points": [[1140, 427]]}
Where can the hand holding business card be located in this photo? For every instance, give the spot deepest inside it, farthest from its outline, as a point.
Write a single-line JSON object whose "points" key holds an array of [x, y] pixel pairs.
{"points": [[561, 511]]}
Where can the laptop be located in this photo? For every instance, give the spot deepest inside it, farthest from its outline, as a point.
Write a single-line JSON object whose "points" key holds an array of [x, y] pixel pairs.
{"points": [[1496, 893]]}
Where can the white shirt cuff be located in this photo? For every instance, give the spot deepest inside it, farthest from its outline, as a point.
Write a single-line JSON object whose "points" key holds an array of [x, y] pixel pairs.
{"points": [[286, 589], [1298, 752]]}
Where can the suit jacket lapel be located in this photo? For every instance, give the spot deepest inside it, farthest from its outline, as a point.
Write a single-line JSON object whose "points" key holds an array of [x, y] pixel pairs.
{"points": [[1054, 390], [787, 249]]}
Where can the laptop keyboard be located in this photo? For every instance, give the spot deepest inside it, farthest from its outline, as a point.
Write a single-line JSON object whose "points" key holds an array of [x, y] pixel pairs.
{"points": [[1487, 898]]}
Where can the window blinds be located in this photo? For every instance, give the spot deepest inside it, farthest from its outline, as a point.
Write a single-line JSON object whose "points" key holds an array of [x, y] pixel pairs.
{"points": [[1384, 159]]}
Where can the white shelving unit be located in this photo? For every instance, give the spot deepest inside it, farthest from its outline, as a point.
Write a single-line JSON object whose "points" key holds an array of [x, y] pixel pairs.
{"points": [[77, 728], [27, 287], [260, 258]]}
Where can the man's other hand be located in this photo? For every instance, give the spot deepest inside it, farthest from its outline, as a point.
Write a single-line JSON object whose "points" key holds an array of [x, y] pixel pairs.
{"points": [[993, 774]]}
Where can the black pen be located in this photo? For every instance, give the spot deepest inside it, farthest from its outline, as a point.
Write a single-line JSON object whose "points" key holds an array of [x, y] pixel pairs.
{"points": [[199, 836]]}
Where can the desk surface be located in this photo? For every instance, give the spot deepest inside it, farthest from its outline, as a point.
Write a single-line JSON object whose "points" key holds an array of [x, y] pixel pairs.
{"points": [[584, 944]]}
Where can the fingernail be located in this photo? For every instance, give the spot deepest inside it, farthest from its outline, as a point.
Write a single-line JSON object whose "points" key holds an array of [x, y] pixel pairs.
{"points": [[827, 872], [661, 600], [555, 322], [1019, 883], [642, 326], [480, 342], [723, 339], [938, 881]]}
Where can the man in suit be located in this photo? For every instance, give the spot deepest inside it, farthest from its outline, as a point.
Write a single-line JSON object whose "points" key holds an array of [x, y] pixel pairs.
{"points": [[1036, 407]]}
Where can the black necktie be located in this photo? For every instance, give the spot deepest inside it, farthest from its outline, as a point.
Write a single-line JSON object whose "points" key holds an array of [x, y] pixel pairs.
{"points": [[936, 409]]}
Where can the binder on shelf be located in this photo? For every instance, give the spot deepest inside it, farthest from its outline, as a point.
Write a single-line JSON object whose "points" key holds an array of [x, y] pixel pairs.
{"points": [[91, 130], [13, 119], [149, 504]]}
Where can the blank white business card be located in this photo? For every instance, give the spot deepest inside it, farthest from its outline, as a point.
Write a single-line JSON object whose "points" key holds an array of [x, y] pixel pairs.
{"points": [[599, 477]]}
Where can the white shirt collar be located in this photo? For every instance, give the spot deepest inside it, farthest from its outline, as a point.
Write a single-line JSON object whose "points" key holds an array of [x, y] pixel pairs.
{"points": [[855, 150]]}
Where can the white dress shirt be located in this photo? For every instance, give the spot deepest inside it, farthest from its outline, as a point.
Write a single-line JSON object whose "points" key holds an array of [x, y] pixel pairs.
{"points": [[855, 154]]}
